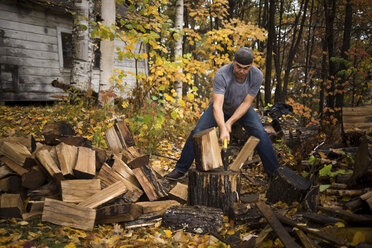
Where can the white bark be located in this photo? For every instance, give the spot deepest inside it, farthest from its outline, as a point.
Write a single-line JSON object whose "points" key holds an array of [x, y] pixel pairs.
{"points": [[82, 52], [178, 45], [107, 46]]}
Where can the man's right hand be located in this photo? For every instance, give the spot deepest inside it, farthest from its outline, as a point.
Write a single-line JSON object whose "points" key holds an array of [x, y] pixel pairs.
{"points": [[224, 134]]}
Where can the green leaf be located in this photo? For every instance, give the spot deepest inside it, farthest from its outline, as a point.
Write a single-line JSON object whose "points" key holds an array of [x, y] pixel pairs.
{"points": [[323, 187], [305, 174], [326, 171], [313, 160]]}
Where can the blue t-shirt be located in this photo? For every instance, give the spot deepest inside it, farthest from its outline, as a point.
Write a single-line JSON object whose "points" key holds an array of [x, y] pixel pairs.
{"points": [[235, 92]]}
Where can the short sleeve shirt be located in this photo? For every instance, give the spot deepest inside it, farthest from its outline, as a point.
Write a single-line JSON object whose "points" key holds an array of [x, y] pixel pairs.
{"points": [[235, 92]]}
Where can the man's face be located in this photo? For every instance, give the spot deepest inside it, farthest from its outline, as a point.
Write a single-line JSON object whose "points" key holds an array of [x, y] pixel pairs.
{"points": [[241, 71]]}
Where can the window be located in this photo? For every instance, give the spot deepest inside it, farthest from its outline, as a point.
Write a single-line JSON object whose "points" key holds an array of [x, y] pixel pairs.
{"points": [[66, 39]]}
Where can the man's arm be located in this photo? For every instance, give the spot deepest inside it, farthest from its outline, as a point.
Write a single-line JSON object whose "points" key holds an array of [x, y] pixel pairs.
{"points": [[219, 116], [239, 112]]}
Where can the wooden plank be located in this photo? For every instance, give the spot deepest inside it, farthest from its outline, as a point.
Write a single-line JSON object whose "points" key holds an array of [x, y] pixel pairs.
{"points": [[157, 207], [11, 206], [29, 96], [47, 161], [123, 169], [85, 167], [67, 214], [26, 53], [21, 35], [67, 156], [357, 111], [37, 71], [15, 151], [12, 165], [104, 195], [28, 28], [306, 242], [32, 45], [108, 177], [118, 213], [245, 153], [77, 191], [283, 235], [47, 63], [149, 182]]}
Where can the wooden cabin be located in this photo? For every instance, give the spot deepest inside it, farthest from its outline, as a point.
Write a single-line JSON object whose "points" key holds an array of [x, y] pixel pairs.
{"points": [[36, 48]]}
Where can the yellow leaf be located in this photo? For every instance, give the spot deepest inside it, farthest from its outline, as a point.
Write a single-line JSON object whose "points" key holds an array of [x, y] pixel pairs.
{"points": [[168, 233], [190, 96], [70, 245], [231, 232], [145, 56], [181, 102], [340, 224], [359, 237]]}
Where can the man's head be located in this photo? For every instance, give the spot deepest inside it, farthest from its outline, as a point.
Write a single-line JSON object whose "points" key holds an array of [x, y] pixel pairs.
{"points": [[244, 56], [242, 62]]}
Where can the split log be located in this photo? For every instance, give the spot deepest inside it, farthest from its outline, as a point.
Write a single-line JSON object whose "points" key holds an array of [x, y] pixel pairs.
{"points": [[307, 243], [112, 140], [150, 183], [49, 190], [246, 214], [104, 195], [283, 235], [85, 167], [11, 206], [55, 130], [75, 141], [245, 153], [20, 170], [179, 193], [345, 192], [156, 207], [15, 151], [353, 219], [34, 178], [12, 184], [76, 191], [124, 134], [35, 206], [123, 169], [206, 149], [5, 171], [67, 156], [354, 205], [68, 214], [197, 219], [118, 213], [312, 231], [143, 221], [287, 186], [108, 177], [213, 189], [49, 164], [367, 197], [322, 219], [27, 141]]}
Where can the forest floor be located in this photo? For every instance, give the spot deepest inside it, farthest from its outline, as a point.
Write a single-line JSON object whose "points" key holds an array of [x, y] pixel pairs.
{"points": [[15, 121]]}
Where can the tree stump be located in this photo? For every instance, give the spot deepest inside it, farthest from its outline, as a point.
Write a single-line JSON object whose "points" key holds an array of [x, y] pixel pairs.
{"points": [[287, 186], [214, 189]]}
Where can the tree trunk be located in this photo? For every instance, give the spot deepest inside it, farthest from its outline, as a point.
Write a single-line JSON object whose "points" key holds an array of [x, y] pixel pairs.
{"points": [[278, 69], [82, 51], [269, 52], [107, 49], [178, 45]]}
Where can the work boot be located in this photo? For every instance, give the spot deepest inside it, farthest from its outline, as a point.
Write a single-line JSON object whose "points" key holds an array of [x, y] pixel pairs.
{"points": [[175, 175]]}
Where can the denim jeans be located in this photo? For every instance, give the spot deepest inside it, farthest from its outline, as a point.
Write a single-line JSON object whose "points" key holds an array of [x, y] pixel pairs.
{"points": [[251, 123]]}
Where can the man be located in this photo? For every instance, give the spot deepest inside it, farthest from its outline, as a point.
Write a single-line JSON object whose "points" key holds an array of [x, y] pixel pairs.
{"points": [[235, 87]]}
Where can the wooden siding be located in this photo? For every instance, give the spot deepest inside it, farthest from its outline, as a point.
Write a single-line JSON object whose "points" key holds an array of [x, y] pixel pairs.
{"points": [[30, 53]]}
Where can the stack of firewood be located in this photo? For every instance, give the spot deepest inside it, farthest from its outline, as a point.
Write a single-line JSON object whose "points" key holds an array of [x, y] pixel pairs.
{"points": [[67, 182]]}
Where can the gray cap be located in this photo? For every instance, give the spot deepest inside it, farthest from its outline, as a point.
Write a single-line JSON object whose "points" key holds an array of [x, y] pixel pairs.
{"points": [[244, 56]]}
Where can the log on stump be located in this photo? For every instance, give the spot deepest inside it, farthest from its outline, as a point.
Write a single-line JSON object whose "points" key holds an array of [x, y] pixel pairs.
{"points": [[150, 183], [118, 213], [246, 214], [68, 214], [213, 189], [287, 187], [206, 149], [11, 206], [197, 219]]}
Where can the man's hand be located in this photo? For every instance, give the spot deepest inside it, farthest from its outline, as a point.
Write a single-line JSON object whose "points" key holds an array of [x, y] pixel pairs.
{"points": [[224, 134], [228, 126]]}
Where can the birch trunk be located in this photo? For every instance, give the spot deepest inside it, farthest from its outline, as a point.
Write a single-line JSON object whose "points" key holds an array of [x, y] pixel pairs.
{"points": [[178, 45]]}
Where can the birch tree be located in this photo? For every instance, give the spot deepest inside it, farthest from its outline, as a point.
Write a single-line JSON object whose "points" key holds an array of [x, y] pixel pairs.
{"points": [[178, 45]]}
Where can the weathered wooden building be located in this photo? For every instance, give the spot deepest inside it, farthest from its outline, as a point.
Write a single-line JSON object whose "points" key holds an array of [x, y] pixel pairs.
{"points": [[35, 49]]}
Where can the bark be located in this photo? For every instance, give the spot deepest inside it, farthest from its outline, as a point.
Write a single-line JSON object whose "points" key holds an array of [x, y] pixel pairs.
{"points": [[278, 69], [82, 51], [178, 45], [269, 52], [107, 49]]}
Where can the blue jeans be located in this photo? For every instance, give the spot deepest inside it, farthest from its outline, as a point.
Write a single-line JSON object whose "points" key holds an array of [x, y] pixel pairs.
{"points": [[251, 123]]}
